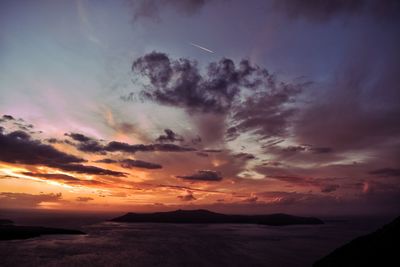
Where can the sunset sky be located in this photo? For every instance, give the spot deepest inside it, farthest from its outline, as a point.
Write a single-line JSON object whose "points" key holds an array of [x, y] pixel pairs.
{"points": [[234, 106]]}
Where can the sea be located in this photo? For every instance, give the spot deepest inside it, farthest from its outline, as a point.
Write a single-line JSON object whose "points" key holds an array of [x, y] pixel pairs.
{"points": [[154, 244]]}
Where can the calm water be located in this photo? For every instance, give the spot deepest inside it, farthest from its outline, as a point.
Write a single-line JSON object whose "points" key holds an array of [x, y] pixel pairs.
{"points": [[119, 244]]}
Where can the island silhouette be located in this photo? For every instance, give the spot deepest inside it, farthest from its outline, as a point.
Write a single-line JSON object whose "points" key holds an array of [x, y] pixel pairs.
{"points": [[206, 216]]}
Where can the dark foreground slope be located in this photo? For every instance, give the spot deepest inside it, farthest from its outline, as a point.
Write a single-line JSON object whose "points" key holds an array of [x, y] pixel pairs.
{"points": [[205, 216], [9, 231], [381, 248]]}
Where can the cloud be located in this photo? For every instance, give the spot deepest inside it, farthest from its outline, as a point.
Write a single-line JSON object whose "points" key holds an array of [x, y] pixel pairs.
{"points": [[212, 150], [79, 137], [321, 11], [18, 147], [249, 95], [245, 156], [293, 149], [84, 199], [203, 175], [386, 172], [266, 113], [124, 147], [360, 100], [130, 163], [329, 188], [53, 176], [187, 197], [151, 9], [7, 118], [24, 200], [290, 198], [108, 161], [321, 150], [180, 83], [170, 136], [90, 145], [87, 169], [17, 123], [86, 144], [67, 179]]}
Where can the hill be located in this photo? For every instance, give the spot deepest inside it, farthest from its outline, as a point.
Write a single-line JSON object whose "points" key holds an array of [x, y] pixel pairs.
{"points": [[379, 248], [205, 216]]}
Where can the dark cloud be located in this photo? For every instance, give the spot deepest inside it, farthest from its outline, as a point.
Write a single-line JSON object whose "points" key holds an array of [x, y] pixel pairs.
{"points": [[245, 156], [386, 172], [151, 9], [214, 91], [53, 176], [79, 137], [169, 136], [54, 141], [115, 146], [231, 133], [329, 188], [203, 175], [321, 150], [87, 169], [7, 118], [187, 197], [18, 147], [108, 161], [86, 144], [124, 147], [24, 200], [240, 97], [90, 145], [130, 163], [320, 10]]}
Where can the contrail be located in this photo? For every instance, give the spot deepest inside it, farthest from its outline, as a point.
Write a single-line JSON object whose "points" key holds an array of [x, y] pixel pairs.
{"points": [[202, 48]]}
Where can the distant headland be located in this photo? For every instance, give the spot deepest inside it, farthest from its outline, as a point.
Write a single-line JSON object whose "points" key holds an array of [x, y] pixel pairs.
{"points": [[9, 231], [209, 217]]}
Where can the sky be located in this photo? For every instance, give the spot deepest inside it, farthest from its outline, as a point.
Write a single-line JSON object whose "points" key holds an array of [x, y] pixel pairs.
{"points": [[234, 106]]}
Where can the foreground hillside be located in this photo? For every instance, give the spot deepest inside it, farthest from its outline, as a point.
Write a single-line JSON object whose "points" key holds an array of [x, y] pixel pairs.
{"points": [[380, 248]]}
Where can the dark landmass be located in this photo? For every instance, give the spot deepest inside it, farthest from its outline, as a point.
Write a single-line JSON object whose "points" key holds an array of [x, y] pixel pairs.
{"points": [[205, 216], [381, 248], [9, 231], [6, 222]]}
